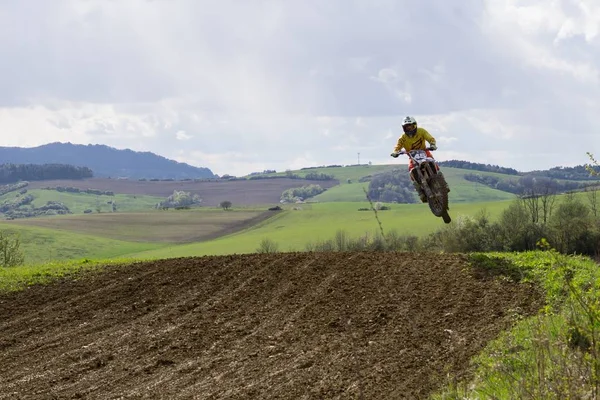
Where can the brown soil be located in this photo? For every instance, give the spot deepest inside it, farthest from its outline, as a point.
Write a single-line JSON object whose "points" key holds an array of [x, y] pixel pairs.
{"points": [[285, 326], [242, 192]]}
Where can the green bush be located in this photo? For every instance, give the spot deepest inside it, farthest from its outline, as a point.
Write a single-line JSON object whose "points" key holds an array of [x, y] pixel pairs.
{"points": [[267, 246], [10, 250]]}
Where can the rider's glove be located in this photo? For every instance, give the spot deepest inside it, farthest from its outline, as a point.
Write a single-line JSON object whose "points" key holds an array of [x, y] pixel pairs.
{"points": [[395, 154], [432, 147]]}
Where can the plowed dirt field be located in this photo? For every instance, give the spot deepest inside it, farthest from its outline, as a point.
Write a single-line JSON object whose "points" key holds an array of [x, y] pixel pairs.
{"points": [[285, 326]]}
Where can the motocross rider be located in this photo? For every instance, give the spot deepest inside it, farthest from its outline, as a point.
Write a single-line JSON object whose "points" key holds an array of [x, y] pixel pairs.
{"points": [[414, 139]]}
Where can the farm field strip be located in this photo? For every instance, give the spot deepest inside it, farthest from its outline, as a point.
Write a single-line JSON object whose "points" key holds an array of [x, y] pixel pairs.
{"points": [[212, 193], [159, 226]]}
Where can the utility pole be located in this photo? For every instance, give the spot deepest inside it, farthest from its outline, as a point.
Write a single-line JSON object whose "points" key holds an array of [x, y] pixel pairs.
{"points": [[358, 158]]}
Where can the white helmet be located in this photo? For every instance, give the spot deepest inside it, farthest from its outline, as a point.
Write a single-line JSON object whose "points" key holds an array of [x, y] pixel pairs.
{"points": [[409, 125]]}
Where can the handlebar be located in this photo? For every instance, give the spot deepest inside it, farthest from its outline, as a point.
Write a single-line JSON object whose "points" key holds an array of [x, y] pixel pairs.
{"points": [[406, 152]]}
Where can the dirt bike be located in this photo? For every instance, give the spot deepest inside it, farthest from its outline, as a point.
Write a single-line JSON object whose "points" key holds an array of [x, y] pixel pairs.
{"points": [[426, 172]]}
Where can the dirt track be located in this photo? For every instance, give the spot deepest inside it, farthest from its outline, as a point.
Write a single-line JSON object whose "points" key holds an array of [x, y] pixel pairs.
{"points": [[287, 326]]}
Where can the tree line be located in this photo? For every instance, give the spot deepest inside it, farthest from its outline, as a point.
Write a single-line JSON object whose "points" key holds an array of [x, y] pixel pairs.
{"points": [[10, 173], [577, 173], [524, 184], [529, 223], [478, 167]]}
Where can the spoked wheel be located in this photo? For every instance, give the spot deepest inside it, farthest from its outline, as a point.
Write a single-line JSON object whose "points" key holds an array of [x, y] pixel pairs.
{"points": [[438, 203]]}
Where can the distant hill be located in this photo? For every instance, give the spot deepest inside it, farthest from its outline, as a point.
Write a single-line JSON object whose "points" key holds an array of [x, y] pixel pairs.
{"points": [[104, 161]]}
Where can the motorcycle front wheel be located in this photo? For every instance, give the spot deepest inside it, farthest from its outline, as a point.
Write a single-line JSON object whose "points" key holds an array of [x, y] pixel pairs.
{"points": [[438, 202]]}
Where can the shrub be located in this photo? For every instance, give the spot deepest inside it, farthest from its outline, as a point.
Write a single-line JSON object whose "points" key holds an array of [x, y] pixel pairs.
{"points": [[267, 246], [10, 250]]}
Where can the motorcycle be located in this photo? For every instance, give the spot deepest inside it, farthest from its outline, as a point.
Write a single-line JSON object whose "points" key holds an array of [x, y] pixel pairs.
{"points": [[432, 181]]}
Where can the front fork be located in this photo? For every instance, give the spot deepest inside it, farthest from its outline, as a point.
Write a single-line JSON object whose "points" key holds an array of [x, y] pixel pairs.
{"points": [[417, 176]]}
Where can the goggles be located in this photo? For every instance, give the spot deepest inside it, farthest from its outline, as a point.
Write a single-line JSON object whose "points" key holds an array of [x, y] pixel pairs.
{"points": [[409, 127]]}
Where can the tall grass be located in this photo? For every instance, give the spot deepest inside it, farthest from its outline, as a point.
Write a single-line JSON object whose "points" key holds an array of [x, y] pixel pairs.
{"points": [[375, 241]]}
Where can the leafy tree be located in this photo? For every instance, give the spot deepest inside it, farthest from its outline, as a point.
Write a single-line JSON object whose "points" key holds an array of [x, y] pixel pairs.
{"points": [[225, 205], [570, 225], [515, 231], [179, 198]]}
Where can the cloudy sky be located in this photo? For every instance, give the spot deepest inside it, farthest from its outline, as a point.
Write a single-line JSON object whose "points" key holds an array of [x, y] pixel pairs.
{"points": [[247, 85]]}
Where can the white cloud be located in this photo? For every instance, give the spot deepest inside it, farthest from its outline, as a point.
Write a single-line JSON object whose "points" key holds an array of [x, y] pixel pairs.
{"points": [[181, 135], [262, 85], [386, 76], [446, 139]]}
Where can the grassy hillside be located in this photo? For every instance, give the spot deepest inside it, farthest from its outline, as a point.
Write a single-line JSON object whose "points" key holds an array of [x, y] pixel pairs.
{"points": [[464, 191]]}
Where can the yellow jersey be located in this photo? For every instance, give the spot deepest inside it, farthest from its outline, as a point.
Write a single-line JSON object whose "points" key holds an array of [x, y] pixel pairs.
{"points": [[417, 142]]}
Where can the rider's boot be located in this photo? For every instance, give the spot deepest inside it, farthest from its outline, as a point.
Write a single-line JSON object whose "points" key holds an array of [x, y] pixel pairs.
{"points": [[420, 192]]}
